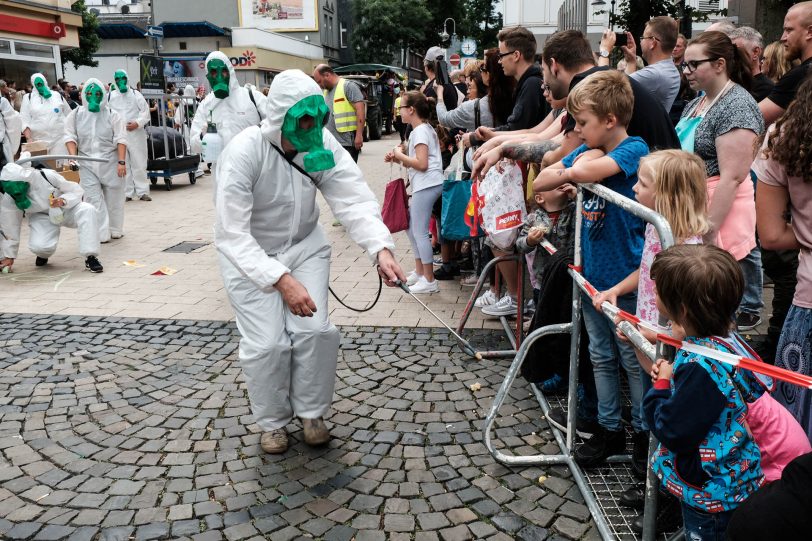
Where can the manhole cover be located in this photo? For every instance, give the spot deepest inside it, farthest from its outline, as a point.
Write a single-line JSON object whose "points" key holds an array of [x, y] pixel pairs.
{"points": [[186, 247]]}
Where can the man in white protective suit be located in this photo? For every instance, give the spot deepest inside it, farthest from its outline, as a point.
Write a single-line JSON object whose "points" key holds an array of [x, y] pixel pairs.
{"points": [[275, 258], [10, 129], [134, 110], [43, 113], [97, 131], [184, 115], [50, 202], [229, 106]]}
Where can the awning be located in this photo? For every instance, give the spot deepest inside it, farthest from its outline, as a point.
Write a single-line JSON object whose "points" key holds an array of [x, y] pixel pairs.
{"points": [[120, 31], [368, 69], [198, 29]]}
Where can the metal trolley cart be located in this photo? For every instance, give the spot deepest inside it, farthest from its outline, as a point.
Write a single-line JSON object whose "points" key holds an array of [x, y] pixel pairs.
{"points": [[169, 153]]}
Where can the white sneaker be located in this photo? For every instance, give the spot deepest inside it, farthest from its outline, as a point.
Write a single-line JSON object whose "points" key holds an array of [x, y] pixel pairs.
{"points": [[486, 299], [412, 278], [424, 286], [505, 307]]}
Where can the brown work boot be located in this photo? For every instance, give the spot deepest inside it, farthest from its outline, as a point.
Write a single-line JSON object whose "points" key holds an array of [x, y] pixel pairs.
{"points": [[274, 442], [315, 431]]}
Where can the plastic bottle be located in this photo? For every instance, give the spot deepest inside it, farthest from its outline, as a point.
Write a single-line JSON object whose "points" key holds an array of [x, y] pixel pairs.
{"points": [[212, 144]]}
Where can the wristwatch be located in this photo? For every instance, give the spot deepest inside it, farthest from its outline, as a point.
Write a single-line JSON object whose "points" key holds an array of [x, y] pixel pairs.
{"points": [[122, 162], [603, 53]]}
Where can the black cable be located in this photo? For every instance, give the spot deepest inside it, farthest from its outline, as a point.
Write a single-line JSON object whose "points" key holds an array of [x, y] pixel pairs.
{"points": [[368, 308]]}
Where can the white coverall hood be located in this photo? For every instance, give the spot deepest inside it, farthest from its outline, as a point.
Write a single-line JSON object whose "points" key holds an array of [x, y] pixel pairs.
{"points": [[287, 89], [232, 114], [89, 82], [189, 94], [34, 78], [233, 83]]}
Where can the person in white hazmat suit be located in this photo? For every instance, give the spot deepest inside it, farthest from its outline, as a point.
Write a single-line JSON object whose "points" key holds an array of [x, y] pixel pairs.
{"points": [[275, 258], [10, 130], [97, 131], [43, 113], [134, 110], [50, 202], [184, 115], [229, 106]]}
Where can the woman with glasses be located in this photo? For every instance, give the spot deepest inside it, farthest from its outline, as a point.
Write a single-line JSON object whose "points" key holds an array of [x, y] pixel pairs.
{"points": [[721, 127], [474, 108]]}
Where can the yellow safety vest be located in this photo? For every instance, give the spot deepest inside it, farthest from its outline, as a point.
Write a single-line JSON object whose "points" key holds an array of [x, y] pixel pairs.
{"points": [[343, 110], [397, 106]]}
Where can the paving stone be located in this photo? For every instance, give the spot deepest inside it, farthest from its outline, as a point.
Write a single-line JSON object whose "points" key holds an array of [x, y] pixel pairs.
{"points": [[398, 523], [570, 528]]}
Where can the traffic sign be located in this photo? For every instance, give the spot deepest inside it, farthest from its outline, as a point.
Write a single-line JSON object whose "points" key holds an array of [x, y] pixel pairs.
{"points": [[155, 31], [454, 60]]}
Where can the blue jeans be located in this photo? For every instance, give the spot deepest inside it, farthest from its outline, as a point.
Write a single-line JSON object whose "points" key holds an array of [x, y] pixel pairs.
{"points": [[701, 526], [752, 302], [608, 354]]}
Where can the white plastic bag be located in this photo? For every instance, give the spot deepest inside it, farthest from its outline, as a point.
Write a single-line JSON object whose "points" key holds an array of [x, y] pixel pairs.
{"points": [[503, 208]]}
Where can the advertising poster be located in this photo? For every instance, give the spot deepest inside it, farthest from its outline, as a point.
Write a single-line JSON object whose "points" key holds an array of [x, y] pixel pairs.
{"points": [[152, 75], [186, 71], [280, 15]]}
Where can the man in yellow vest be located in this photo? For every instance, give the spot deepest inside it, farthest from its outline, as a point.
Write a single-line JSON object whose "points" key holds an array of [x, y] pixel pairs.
{"points": [[347, 108]]}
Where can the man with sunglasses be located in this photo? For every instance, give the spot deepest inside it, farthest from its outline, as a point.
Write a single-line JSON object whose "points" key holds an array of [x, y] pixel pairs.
{"points": [[517, 55], [660, 77]]}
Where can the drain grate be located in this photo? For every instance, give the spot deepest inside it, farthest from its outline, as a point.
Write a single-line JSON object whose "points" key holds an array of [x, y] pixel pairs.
{"points": [[186, 247]]}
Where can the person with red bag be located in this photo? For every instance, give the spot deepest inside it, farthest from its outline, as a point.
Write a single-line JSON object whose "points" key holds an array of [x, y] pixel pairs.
{"points": [[425, 166]]}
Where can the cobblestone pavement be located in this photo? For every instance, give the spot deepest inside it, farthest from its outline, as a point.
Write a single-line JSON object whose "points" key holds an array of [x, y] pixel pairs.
{"points": [[121, 428]]}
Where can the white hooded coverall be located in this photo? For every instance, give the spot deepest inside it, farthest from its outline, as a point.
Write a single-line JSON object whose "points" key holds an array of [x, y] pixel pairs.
{"points": [[11, 129], [45, 118], [132, 107], [266, 226], [44, 234], [232, 114], [98, 135]]}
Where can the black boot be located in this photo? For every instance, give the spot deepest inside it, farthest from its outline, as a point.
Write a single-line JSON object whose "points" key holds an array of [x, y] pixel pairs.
{"points": [[634, 497], [603, 444], [41, 261], [447, 272], [669, 515]]}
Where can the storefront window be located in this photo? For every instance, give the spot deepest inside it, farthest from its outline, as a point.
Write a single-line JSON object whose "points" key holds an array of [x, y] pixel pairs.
{"points": [[32, 49], [21, 71], [5, 47]]}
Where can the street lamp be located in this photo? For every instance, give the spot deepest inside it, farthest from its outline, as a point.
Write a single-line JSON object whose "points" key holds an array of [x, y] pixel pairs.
{"points": [[444, 34], [600, 3]]}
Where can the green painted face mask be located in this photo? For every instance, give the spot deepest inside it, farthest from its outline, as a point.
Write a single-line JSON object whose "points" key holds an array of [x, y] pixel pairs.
{"points": [[121, 81], [18, 190], [218, 76], [42, 87], [303, 127], [93, 97]]}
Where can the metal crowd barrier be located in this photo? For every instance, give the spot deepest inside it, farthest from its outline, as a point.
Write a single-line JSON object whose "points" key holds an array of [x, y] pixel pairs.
{"points": [[566, 441]]}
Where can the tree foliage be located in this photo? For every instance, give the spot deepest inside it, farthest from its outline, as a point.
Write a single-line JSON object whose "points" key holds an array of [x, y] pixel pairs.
{"points": [[481, 23], [632, 15], [383, 27], [89, 40]]}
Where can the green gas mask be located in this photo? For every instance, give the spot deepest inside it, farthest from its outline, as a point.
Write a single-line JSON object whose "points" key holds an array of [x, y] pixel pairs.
{"points": [[42, 87], [93, 97], [121, 81], [18, 190], [303, 127], [218, 76]]}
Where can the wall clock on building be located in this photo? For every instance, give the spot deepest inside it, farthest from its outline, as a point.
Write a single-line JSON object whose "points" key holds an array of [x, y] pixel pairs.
{"points": [[468, 47]]}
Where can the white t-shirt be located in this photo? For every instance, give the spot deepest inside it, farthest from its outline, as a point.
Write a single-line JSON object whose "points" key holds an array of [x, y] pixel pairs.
{"points": [[424, 134]]}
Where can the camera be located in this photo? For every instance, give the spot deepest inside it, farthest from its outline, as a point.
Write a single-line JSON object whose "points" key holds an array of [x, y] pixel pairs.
{"points": [[621, 39]]}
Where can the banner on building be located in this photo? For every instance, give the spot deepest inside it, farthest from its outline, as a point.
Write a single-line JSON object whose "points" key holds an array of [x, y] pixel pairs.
{"points": [[280, 15], [152, 75], [186, 71]]}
